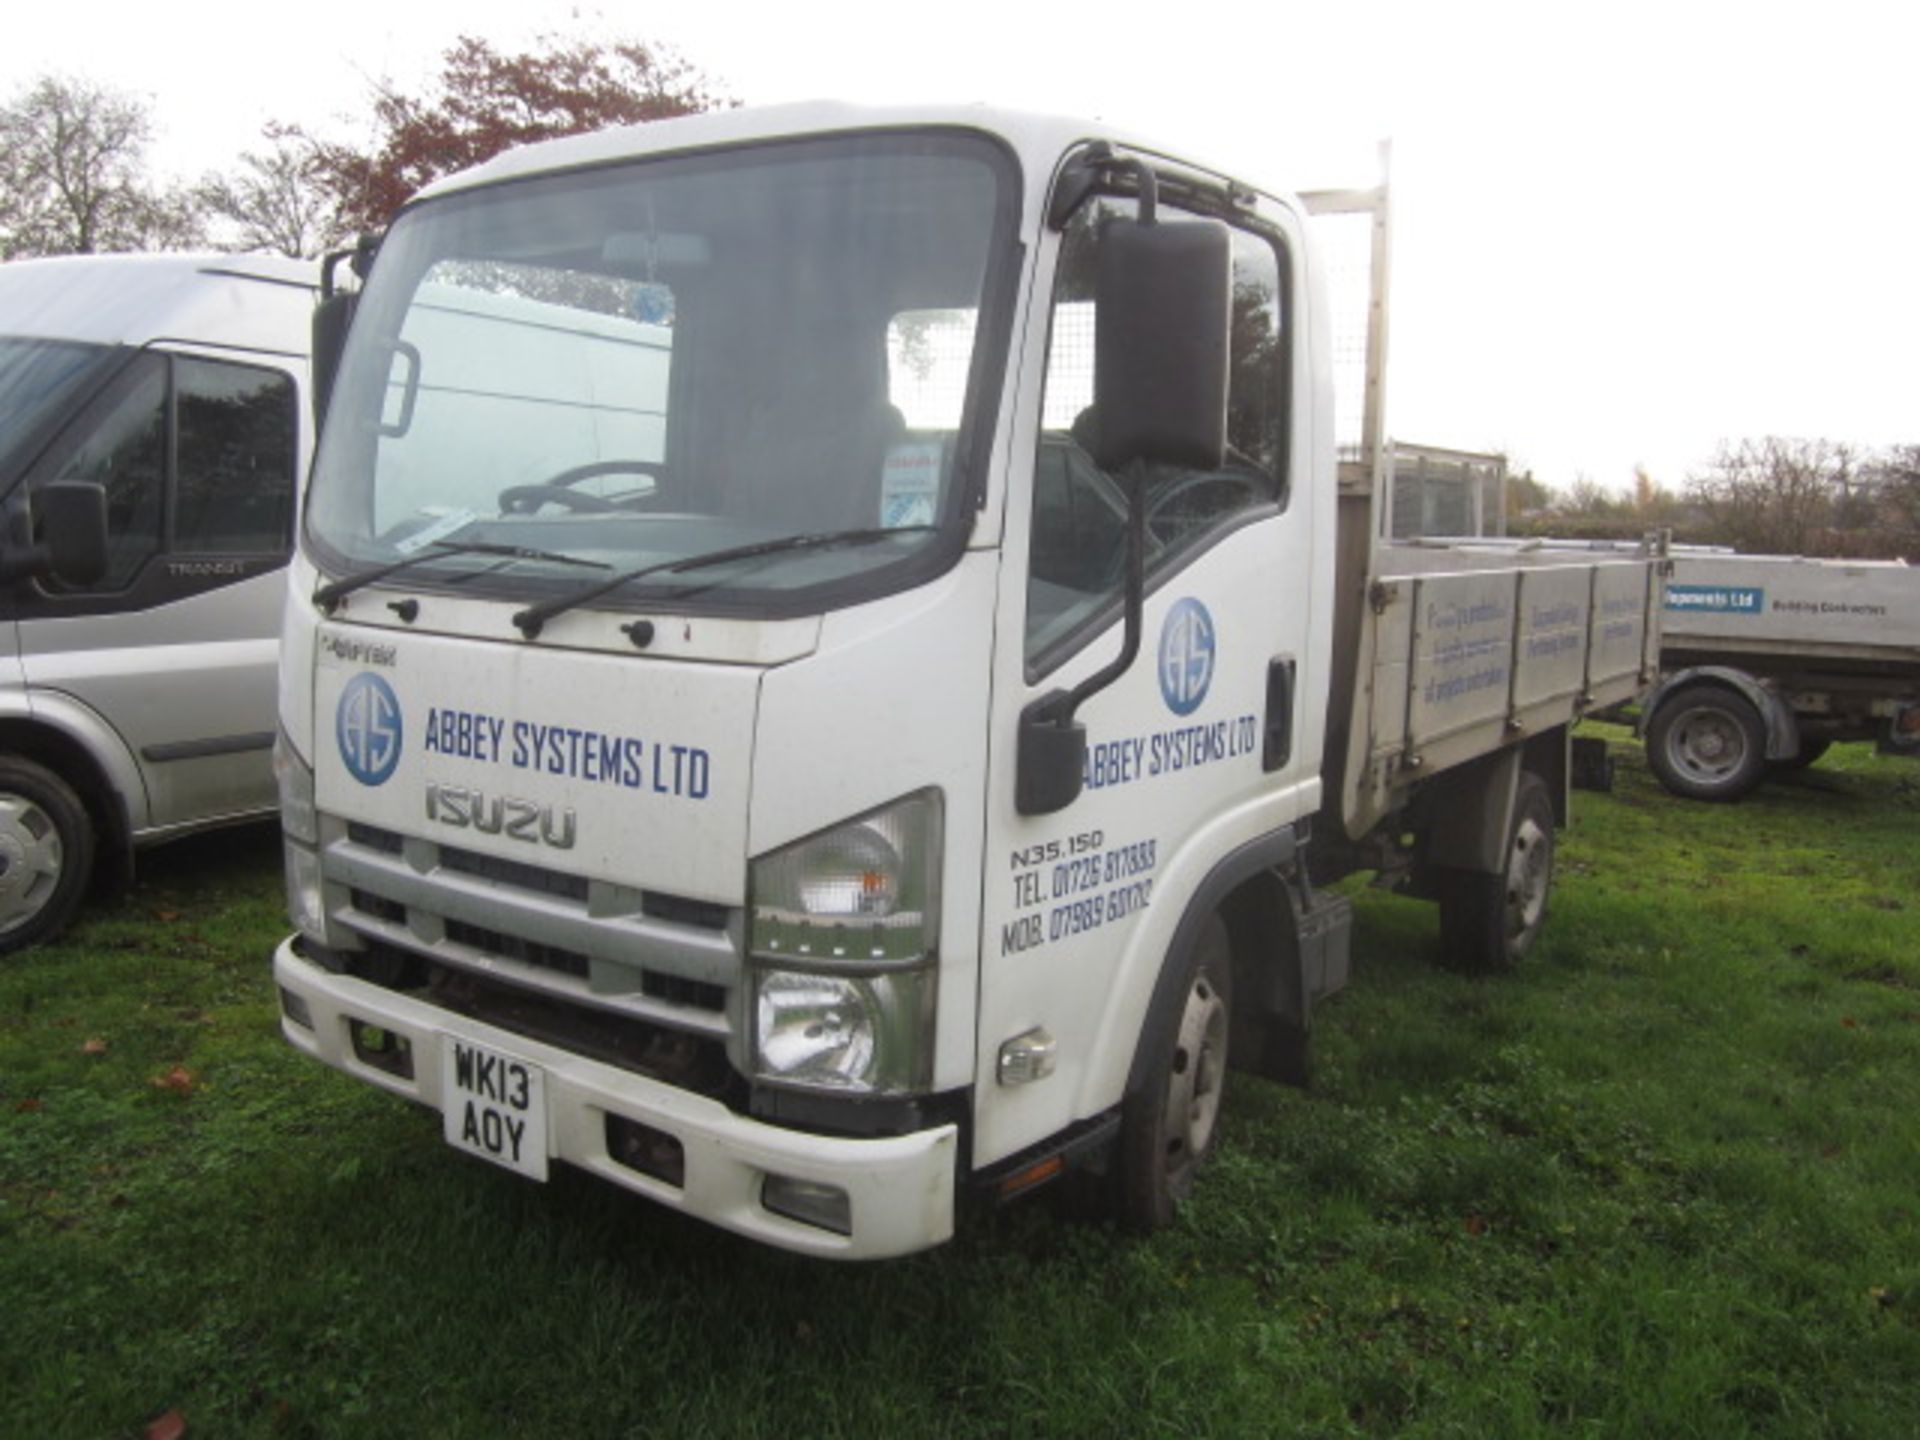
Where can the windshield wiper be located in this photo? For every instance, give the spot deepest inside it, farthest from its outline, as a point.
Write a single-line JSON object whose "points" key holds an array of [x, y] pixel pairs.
{"points": [[532, 619], [328, 596]]}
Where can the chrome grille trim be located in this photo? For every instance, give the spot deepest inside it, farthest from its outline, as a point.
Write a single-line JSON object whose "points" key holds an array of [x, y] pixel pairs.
{"points": [[418, 895]]}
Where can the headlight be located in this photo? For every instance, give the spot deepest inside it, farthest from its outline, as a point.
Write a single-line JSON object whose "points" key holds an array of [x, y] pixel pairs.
{"points": [[867, 890], [844, 928], [294, 776], [845, 1032]]}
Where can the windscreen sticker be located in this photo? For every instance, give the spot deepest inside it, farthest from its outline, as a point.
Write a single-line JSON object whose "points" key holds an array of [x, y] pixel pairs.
{"points": [[437, 529], [910, 484]]}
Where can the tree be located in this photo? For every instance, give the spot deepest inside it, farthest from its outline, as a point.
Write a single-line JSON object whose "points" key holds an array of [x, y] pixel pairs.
{"points": [[484, 102], [275, 200], [1776, 496], [72, 175]]}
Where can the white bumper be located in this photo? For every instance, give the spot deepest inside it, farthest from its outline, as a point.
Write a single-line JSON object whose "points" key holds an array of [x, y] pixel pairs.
{"points": [[901, 1188]]}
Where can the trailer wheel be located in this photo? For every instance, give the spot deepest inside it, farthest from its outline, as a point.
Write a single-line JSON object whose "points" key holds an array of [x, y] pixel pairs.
{"points": [[1707, 743], [1168, 1126], [1488, 923], [46, 853]]}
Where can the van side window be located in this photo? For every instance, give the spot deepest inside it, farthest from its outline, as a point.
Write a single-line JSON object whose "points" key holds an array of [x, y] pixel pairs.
{"points": [[197, 457], [1077, 554], [122, 446], [235, 457]]}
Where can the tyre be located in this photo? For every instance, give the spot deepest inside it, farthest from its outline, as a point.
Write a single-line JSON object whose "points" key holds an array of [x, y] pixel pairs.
{"points": [[1707, 742], [46, 853], [1488, 923], [1168, 1126], [1810, 751]]}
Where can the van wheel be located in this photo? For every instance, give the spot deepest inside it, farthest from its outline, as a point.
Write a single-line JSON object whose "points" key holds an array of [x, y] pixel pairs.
{"points": [[1707, 742], [46, 853], [1168, 1126], [1488, 923]]}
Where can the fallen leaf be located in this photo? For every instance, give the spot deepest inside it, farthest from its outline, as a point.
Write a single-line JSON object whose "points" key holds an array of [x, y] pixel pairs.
{"points": [[170, 1426], [178, 1078], [95, 1046]]}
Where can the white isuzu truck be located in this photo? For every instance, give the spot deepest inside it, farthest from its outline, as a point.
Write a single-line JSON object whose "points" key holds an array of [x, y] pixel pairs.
{"points": [[841, 701], [153, 429]]}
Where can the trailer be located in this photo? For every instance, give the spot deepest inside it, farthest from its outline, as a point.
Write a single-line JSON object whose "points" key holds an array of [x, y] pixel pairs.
{"points": [[1769, 659], [919, 783]]}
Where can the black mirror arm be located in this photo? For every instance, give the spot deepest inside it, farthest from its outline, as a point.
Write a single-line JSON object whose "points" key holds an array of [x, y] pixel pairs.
{"points": [[1133, 598]]}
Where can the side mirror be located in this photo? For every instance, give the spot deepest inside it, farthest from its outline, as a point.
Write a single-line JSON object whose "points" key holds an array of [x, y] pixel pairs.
{"points": [[331, 317], [70, 516], [1164, 307]]}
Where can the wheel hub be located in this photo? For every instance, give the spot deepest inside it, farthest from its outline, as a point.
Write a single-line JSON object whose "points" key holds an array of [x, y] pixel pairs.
{"points": [[30, 860], [1194, 1082]]}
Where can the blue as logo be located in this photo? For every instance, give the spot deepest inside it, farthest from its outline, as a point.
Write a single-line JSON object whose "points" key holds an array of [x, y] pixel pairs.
{"points": [[368, 727], [1186, 656]]}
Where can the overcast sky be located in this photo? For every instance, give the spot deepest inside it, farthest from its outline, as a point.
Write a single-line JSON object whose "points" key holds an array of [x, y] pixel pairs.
{"points": [[1623, 232]]}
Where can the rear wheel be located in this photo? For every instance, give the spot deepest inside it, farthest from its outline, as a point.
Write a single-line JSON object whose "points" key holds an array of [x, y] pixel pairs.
{"points": [[46, 853], [1169, 1126], [1707, 742], [1488, 923]]}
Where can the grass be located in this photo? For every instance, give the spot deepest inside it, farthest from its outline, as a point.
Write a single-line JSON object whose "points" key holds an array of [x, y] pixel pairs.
{"points": [[1663, 1182]]}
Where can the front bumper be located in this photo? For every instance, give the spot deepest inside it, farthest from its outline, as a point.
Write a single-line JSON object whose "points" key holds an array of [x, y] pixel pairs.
{"points": [[901, 1188]]}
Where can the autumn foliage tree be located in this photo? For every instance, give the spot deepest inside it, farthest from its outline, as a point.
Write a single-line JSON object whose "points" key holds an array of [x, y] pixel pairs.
{"points": [[484, 102]]}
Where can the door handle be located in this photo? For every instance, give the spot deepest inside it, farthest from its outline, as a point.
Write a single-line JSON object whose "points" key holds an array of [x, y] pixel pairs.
{"points": [[1277, 744]]}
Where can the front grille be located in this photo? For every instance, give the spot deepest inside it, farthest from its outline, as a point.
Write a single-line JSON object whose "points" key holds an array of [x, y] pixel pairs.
{"points": [[512, 947], [671, 961], [515, 873]]}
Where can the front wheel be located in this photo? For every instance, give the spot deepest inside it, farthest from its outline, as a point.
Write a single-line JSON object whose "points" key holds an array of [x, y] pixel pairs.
{"points": [[46, 853], [1169, 1125], [1488, 923]]}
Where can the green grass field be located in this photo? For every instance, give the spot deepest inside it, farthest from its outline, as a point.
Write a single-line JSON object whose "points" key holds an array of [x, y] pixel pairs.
{"points": [[1663, 1182]]}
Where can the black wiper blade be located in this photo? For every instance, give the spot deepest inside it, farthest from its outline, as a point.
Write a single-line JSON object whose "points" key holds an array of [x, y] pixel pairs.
{"points": [[329, 595], [532, 619]]}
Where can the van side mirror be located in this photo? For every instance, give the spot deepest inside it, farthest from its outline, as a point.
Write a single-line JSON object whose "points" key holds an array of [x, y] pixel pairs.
{"points": [[1163, 307], [70, 521]]}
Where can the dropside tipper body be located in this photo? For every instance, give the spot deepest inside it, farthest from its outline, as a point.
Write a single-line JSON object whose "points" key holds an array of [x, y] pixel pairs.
{"points": [[653, 702]]}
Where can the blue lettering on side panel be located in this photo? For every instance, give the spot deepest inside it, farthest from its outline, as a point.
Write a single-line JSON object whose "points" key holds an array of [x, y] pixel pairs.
{"points": [[368, 726], [1186, 656], [1717, 599]]}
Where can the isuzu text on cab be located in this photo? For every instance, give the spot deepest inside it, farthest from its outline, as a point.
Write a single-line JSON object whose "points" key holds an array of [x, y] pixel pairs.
{"points": [[831, 652]]}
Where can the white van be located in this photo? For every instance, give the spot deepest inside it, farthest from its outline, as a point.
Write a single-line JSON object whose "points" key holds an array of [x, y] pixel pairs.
{"points": [[153, 427]]}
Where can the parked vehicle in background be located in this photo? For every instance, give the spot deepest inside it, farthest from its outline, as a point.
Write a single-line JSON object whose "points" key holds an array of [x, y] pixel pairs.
{"points": [[152, 433], [892, 755], [1769, 659]]}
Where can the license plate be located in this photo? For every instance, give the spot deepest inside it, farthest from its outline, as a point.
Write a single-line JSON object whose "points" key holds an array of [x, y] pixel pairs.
{"points": [[494, 1106]]}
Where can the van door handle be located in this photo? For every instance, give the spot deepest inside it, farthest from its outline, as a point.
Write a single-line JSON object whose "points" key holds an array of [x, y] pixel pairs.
{"points": [[1277, 747]]}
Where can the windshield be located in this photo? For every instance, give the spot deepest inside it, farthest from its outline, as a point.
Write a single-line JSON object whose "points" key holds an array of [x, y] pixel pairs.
{"points": [[38, 380], [643, 363]]}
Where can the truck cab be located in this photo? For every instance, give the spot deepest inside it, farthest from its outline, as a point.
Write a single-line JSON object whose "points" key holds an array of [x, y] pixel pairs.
{"points": [[808, 668], [152, 424]]}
